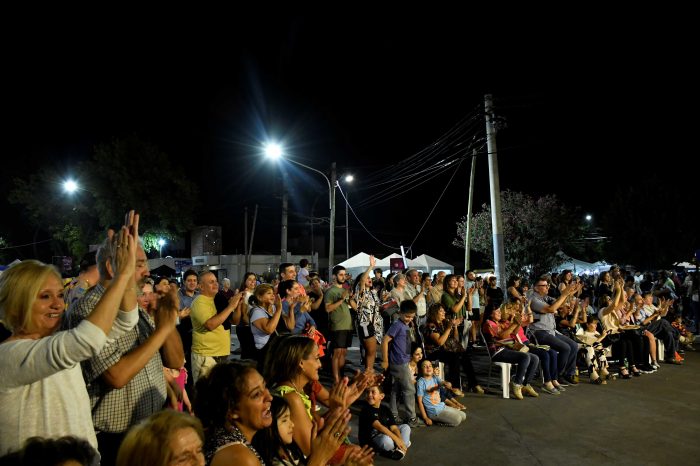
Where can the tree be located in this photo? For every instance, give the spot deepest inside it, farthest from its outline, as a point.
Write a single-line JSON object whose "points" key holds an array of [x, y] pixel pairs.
{"points": [[123, 174], [534, 230]]}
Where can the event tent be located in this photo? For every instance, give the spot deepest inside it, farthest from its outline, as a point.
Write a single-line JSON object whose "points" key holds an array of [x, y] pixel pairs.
{"points": [[431, 265], [357, 264]]}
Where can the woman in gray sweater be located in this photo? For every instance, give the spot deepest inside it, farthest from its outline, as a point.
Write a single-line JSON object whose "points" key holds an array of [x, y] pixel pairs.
{"points": [[42, 392]]}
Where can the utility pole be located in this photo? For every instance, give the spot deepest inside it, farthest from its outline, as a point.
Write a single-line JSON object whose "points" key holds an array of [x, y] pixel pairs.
{"points": [[467, 230], [245, 238], [347, 230], [252, 236], [331, 241], [494, 184], [285, 201]]}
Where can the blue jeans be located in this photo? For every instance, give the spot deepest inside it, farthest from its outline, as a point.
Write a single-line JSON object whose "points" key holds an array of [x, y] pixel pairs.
{"points": [[548, 359], [384, 443], [566, 347], [527, 364]]}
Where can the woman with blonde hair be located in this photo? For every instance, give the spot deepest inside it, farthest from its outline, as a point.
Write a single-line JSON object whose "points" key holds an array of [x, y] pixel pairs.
{"points": [[166, 438], [42, 391]]}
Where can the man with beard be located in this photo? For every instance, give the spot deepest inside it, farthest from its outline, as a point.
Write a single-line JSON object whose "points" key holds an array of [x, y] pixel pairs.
{"points": [[125, 381], [336, 299]]}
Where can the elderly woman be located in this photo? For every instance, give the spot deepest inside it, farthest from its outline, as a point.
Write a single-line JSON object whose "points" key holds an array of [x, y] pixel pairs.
{"points": [[442, 342], [42, 392], [233, 403], [166, 438]]}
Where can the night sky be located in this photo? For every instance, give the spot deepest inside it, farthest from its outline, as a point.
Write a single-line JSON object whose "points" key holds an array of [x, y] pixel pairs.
{"points": [[587, 107]]}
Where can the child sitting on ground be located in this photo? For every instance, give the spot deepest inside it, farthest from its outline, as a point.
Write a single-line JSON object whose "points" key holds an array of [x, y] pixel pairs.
{"points": [[378, 430], [686, 338], [447, 395], [431, 406]]}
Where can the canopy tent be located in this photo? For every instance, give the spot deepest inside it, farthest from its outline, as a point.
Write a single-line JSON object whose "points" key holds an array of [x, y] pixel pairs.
{"points": [[357, 264], [431, 265], [163, 271]]}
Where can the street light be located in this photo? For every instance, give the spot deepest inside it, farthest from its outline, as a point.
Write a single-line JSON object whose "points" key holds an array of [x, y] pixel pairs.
{"points": [[348, 179], [70, 186], [161, 242], [274, 151], [589, 217]]}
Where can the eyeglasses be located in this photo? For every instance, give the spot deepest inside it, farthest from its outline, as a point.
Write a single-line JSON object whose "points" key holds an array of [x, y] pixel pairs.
{"points": [[543, 284]]}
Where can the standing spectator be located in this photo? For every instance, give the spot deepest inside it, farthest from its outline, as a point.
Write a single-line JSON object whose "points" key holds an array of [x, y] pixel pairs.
{"points": [[370, 326], [396, 354], [87, 277], [336, 299], [187, 294], [125, 380], [416, 292], [211, 341], [303, 274], [243, 330]]}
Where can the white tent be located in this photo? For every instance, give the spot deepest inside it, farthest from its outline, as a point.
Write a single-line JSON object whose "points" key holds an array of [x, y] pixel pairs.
{"points": [[357, 264], [431, 265]]}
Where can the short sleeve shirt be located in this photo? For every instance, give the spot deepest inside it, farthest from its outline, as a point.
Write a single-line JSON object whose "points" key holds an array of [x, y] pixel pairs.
{"points": [[340, 318]]}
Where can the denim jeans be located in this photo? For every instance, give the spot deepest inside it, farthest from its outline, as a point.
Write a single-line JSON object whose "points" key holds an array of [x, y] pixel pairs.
{"points": [[566, 347], [384, 443], [527, 364]]}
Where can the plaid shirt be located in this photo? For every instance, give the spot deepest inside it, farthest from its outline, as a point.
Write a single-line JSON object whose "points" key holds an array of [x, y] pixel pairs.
{"points": [[115, 410]]}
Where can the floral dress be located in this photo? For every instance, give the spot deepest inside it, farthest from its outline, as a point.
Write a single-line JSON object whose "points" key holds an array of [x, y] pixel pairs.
{"points": [[368, 312]]}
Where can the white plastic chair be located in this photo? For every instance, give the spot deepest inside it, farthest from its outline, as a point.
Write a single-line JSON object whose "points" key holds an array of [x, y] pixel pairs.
{"points": [[505, 369]]}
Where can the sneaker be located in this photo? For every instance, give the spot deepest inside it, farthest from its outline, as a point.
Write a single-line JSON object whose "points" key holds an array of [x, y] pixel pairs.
{"points": [[477, 389], [529, 391], [397, 420], [413, 423], [655, 365], [397, 454], [570, 379], [551, 391], [562, 382], [516, 391], [560, 388], [674, 361]]}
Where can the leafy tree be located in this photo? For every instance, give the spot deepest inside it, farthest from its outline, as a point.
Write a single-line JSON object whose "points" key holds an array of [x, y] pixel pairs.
{"points": [[123, 174], [534, 230]]}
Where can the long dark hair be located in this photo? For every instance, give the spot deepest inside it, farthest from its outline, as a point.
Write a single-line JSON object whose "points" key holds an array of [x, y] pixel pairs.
{"points": [[267, 441]]}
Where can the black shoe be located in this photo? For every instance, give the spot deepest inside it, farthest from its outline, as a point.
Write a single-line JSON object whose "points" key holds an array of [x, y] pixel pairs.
{"points": [[413, 423], [570, 379], [397, 454], [562, 381]]}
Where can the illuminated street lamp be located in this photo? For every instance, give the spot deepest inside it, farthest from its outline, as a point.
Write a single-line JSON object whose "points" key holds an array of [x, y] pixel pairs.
{"points": [[274, 151], [589, 217], [161, 242], [70, 186]]}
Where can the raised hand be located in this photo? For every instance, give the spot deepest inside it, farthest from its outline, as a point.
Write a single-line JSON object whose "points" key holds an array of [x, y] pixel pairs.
{"points": [[361, 457], [328, 435], [372, 261], [338, 394], [124, 252], [168, 309]]}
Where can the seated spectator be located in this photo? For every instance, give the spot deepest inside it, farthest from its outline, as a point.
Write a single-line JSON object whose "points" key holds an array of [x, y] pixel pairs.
{"points": [[504, 348], [38, 451], [165, 438], [276, 443], [379, 430], [233, 403], [431, 408], [594, 351]]}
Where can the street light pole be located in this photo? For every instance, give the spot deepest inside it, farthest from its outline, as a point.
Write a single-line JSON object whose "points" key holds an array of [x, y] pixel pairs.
{"points": [[348, 179], [275, 151]]}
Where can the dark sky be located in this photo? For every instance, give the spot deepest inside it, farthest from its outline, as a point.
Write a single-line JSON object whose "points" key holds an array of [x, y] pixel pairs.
{"points": [[587, 106]]}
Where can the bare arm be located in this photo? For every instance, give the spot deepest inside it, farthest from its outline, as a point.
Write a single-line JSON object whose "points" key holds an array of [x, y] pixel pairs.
{"points": [[221, 317]]}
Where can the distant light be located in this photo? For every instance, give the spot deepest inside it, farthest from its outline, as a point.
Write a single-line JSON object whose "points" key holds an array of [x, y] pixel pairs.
{"points": [[161, 242], [273, 151], [589, 217], [70, 186], [349, 178]]}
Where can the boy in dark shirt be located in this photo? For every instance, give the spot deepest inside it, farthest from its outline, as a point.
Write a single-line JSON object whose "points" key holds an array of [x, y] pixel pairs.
{"points": [[377, 428]]}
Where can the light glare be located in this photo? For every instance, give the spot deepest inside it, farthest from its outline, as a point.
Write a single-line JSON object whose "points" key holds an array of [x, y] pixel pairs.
{"points": [[70, 186], [273, 151]]}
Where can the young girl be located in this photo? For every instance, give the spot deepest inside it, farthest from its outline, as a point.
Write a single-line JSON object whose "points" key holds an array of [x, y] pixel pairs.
{"points": [[448, 396], [276, 443], [431, 407], [594, 351]]}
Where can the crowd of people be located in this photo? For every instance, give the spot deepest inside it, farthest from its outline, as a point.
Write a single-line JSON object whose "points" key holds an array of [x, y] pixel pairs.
{"points": [[122, 368]]}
